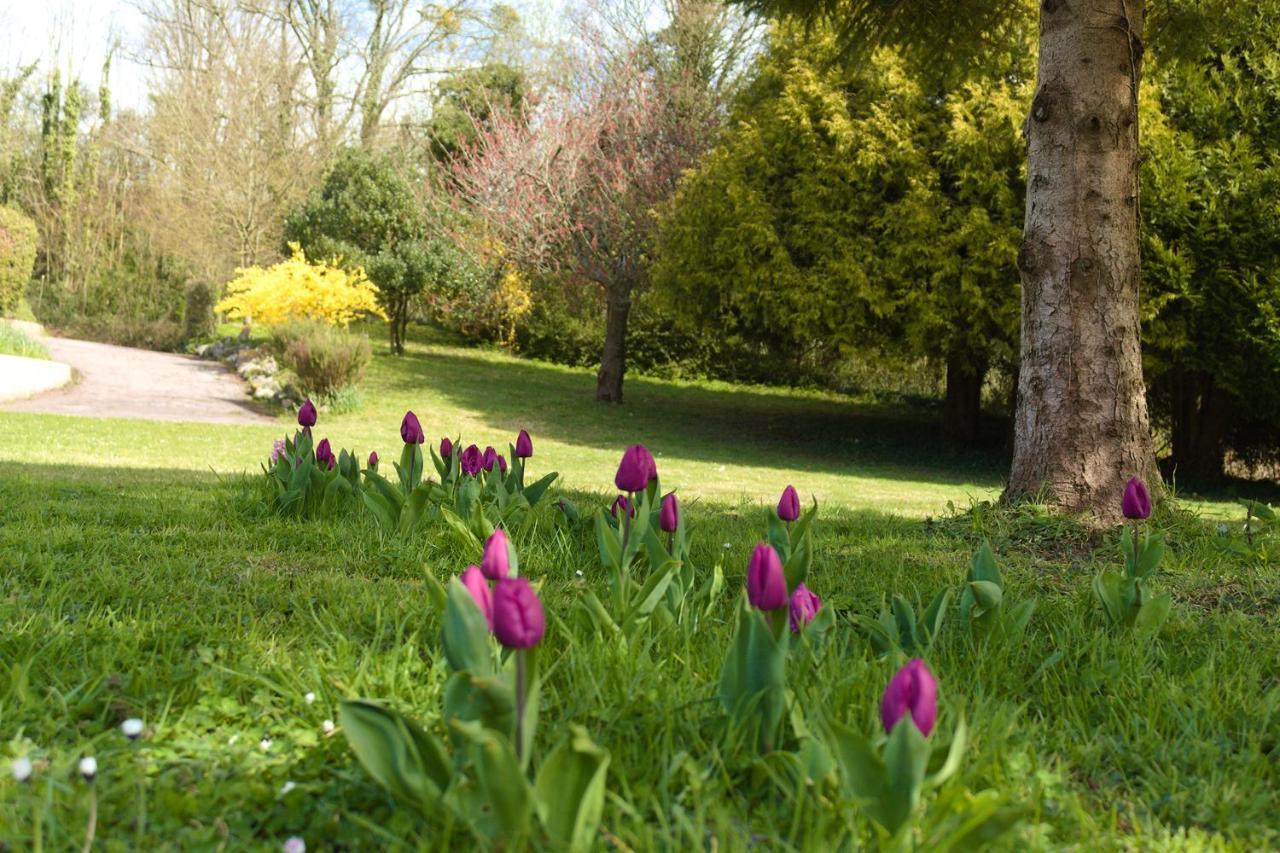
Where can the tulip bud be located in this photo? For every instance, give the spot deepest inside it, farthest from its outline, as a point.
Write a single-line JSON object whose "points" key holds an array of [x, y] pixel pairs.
{"points": [[88, 768], [636, 469], [324, 454], [1136, 503], [518, 620], [502, 463], [804, 606], [622, 506], [411, 430], [766, 584], [373, 460], [446, 448], [471, 461], [490, 458], [524, 445], [307, 414], [669, 515], [789, 504], [496, 563], [473, 579], [912, 691]]}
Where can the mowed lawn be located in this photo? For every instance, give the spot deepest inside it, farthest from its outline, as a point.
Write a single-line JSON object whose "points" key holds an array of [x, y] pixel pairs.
{"points": [[141, 575]]}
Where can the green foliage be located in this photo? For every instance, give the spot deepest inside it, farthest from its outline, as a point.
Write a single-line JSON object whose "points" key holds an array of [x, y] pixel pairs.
{"points": [[14, 342], [198, 320], [18, 240], [366, 214], [465, 102], [852, 209], [1211, 253], [324, 358]]}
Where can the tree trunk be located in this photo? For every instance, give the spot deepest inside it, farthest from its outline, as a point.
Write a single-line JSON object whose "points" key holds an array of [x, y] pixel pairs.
{"points": [[1081, 427], [962, 411], [1199, 429], [613, 360]]}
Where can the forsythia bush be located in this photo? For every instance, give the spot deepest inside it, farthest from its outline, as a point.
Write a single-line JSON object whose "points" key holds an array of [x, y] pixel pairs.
{"points": [[296, 289]]}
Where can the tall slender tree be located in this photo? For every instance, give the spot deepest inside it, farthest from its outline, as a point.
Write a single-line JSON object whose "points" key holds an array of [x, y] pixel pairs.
{"points": [[1081, 426]]}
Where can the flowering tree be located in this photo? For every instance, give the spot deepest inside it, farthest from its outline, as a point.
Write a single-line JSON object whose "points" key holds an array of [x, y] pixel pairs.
{"points": [[573, 190]]}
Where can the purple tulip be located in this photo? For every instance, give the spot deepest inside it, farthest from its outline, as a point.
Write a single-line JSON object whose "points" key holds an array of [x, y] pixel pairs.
{"points": [[1136, 503], [502, 463], [636, 469], [373, 460], [411, 430], [490, 458], [446, 448], [789, 504], [622, 505], [524, 445], [473, 579], [471, 461], [915, 691], [324, 454], [278, 449], [766, 584], [496, 563], [804, 606], [518, 620], [307, 414], [669, 515]]}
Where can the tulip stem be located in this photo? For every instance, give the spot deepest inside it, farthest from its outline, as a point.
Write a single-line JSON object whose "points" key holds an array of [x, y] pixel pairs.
{"points": [[519, 704], [92, 829]]}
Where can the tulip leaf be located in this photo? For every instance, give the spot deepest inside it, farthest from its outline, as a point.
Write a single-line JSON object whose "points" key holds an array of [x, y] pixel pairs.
{"points": [[382, 511], [389, 493], [608, 543], [752, 681], [570, 791], [936, 615], [1106, 587], [407, 761], [489, 700], [502, 783], [906, 759], [984, 566], [1150, 556], [534, 491], [463, 533], [466, 633], [1153, 613], [414, 506], [861, 770], [647, 598], [954, 754]]}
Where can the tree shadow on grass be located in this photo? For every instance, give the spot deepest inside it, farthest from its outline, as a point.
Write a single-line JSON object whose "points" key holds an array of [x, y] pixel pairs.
{"points": [[710, 422]]}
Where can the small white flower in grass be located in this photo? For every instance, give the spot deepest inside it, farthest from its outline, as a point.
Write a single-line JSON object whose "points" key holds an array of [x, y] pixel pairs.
{"points": [[88, 768], [264, 744], [578, 573], [231, 741], [295, 845], [327, 725], [287, 787], [310, 697], [21, 768], [728, 545], [131, 728]]}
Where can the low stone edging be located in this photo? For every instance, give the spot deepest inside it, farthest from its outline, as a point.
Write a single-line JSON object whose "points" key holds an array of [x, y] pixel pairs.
{"points": [[22, 377]]}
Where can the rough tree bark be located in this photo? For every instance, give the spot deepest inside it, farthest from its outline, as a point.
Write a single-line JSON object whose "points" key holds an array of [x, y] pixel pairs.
{"points": [[613, 358], [1081, 428], [962, 410]]}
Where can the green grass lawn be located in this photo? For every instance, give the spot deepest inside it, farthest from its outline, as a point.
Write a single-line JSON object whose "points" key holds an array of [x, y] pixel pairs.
{"points": [[141, 575]]}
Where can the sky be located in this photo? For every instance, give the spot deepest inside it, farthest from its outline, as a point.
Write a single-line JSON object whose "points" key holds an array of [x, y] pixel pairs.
{"points": [[79, 33]]}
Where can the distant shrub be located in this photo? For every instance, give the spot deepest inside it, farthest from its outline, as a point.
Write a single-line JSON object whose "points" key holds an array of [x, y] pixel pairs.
{"points": [[299, 289], [198, 321], [324, 359], [18, 239], [14, 342], [162, 335]]}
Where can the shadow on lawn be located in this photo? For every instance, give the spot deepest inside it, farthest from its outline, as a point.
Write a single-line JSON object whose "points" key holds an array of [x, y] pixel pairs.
{"points": [[716, 424]]}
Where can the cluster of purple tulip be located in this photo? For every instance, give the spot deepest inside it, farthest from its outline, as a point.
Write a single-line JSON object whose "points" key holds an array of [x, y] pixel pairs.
{"points": [[511, 605], [472, 460], [766, 581]]}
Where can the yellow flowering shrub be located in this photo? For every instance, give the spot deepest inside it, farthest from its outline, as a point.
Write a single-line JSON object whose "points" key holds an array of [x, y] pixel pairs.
{"points": [[297, 289]]}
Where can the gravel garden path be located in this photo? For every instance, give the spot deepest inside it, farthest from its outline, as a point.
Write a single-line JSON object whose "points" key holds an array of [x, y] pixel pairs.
{"points": [[121, 382]]}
